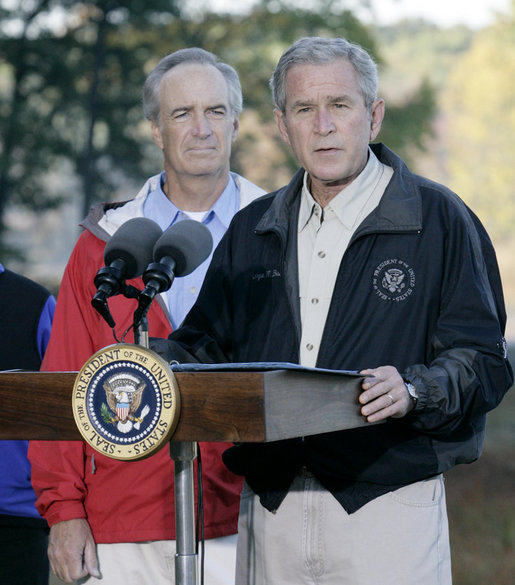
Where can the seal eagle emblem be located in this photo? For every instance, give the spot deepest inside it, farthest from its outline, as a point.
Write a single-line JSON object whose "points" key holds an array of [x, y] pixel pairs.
{"points": [[123, 394], [394, 280]]}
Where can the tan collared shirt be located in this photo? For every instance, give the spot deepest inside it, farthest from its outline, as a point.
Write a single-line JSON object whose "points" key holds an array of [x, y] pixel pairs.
{"points": [[323, 237]]}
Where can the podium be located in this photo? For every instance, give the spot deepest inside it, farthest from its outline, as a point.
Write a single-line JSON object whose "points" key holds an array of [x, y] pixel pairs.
{"points": [[228, 406], [215, 406]]}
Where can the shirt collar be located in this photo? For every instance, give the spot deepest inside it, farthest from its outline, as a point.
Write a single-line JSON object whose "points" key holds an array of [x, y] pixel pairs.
{"points": [[227, 204], [349, 201], [308, 206], [159, 208]]}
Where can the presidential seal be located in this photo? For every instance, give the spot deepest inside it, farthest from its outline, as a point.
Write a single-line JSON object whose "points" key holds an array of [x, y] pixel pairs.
{"points": [[126, 402], [394, 280]]}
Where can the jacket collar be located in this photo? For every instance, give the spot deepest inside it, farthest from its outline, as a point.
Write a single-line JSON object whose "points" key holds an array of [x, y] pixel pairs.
{"points": [[105, 218], [400, 208], [286, 202]]}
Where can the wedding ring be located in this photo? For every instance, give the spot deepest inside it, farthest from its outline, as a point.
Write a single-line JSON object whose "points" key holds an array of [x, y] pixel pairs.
{"points": [[391, 398]]}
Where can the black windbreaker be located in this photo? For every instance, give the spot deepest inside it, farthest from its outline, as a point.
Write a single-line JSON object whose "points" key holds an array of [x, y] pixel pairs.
{"points": [[418, 288]]}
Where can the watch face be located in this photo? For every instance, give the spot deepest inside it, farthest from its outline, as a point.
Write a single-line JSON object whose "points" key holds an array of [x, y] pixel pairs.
{"points": [[411, 391]]}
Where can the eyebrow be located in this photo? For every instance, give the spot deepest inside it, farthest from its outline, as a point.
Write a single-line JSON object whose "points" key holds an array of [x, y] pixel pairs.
{"points": [[300, 104], [189, 108], [219, 107], [331, 100], [341, 98]]}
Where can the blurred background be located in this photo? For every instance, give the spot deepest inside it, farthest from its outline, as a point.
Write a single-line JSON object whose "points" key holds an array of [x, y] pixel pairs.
{"points": [[72, 133]]}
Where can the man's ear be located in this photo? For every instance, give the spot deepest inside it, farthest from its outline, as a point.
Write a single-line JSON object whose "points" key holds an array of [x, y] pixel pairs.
{"points": [[156, 135], [235, 129], [376, 119], [281, 124]]}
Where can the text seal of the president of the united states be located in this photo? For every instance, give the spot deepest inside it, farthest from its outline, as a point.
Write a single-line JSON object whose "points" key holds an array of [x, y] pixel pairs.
{"points": [[126, 402]]}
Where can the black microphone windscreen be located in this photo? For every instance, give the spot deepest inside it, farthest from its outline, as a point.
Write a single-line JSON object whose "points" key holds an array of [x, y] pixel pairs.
{"points": [[133, 242], [188, 242]]}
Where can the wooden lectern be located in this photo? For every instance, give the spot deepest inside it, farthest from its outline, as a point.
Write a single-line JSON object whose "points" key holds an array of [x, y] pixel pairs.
{"points": [[215, 406], [233, 406]]}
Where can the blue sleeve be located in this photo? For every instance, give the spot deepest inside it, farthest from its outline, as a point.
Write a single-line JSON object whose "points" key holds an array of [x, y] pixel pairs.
{"points": [[45, 324]]}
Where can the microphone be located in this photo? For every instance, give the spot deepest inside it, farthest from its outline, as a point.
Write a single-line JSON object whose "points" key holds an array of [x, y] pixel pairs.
{"points": [[180, 249], [127, 253]]}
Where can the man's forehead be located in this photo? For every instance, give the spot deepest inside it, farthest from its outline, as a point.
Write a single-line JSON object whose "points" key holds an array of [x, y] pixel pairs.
{"points": [[191, 71], [195, 82], [339, 66], [334, 80]]}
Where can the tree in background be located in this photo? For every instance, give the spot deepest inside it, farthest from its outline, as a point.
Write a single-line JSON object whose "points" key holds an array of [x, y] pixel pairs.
{"points": [[70, 91], [480, 124], [70, 113], [27, 146]]}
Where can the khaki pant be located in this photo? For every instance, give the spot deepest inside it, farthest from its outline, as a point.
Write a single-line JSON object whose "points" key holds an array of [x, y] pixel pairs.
{"points": [[153, 563], [400, 538]]}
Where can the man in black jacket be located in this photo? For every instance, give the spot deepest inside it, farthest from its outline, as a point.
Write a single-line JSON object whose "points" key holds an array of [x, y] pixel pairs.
{"points": [[26, 313], [356, 264]]}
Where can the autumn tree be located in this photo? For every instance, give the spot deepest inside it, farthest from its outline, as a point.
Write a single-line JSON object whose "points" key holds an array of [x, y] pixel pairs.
{"points": [[480, 117], [70, 104]]}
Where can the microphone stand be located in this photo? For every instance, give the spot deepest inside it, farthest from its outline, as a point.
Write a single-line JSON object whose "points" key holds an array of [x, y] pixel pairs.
{"points": [[141, 332], [183, 454]]}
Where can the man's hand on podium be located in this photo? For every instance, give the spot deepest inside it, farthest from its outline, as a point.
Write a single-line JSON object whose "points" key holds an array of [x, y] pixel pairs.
{"points": [[384, 395], [71, 550]]}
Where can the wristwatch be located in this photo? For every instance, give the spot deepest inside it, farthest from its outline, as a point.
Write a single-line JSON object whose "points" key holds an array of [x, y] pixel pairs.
{"points": [[412, 392]]}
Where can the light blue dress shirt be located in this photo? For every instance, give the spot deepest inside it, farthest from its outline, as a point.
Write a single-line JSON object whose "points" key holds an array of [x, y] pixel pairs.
{"points": [[184, 290]]}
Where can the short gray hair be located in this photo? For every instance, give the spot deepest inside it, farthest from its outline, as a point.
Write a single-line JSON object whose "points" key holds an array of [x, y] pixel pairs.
{"points": [[151, 107], [317, 51]]}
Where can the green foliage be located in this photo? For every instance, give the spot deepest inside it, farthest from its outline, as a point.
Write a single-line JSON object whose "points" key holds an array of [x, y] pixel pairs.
{"points": [[407, 125], [480, 109], [73, 96], [416, 49]]}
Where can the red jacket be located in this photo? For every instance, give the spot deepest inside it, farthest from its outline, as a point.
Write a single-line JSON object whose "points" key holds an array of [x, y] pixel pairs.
{"points": [[122, 501]]}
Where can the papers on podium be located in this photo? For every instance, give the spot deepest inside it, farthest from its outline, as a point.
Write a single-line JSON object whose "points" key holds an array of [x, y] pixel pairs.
{"points": [[299, 401]]}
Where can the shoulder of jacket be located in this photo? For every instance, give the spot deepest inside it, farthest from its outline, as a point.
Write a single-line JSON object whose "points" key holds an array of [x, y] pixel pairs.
{"points": [[248, 190], [105, 218]]}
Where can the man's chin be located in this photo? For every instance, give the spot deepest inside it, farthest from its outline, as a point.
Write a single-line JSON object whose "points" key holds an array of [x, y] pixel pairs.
{"points": [[206, 170], [332, 180]]}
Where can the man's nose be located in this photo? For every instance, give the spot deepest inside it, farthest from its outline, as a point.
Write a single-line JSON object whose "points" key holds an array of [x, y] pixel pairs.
{"points": [[201, 126], [324, 122]]}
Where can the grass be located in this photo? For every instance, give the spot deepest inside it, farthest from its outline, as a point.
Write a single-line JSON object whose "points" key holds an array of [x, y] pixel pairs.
{"points": [[481, 508]]}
